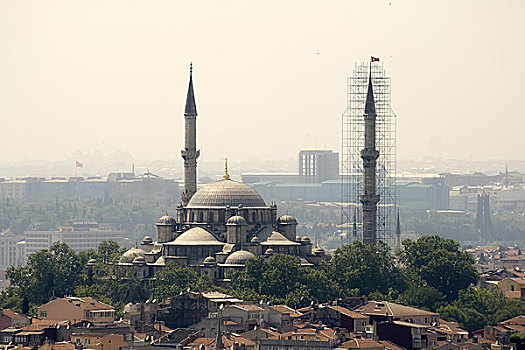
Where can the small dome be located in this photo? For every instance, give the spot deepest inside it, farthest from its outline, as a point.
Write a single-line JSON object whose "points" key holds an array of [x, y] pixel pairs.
{"points": [[269, 251], [139, 260], [255, 239], [130, 255], [166, 220], [147, 240], [210, 261], [318, 251], [298, 238], [236, 220], [239, 257], [226, 192], [92, 262], [286, 220], [305, 239]]}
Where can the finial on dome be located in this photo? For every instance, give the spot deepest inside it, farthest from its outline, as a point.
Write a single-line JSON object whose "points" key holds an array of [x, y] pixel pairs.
{"points": [[226, 176]]}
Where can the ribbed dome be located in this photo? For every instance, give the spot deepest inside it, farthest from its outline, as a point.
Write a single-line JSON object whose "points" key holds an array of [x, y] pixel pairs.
{"points": [[196, 236], [226, 192], [239, 257], [130, 255], [166, 220], [147, 240], [287, 220], [236, 220]]}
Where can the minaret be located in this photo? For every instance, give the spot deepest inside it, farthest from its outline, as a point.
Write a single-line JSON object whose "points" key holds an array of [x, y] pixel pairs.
{"points": [[369, 154], [190, 152]]}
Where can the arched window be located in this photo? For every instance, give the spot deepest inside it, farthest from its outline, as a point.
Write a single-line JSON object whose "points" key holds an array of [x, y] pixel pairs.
{"points": [[201, 217], [210, 217], [254, 217]]}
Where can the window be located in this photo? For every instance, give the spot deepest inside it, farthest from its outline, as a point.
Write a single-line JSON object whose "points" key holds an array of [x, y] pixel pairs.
{"points": [[43, 314]]}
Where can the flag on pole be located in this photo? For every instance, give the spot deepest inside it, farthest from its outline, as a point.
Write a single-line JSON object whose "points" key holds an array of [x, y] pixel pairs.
{"points": [[374, 59], [78, 164]]}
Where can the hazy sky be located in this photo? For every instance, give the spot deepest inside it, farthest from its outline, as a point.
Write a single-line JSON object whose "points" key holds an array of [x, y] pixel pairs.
{"points": [[270, 76]]}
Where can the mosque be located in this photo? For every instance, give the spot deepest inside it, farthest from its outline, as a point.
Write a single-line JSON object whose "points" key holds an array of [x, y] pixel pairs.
{"points": [[216, 229]]}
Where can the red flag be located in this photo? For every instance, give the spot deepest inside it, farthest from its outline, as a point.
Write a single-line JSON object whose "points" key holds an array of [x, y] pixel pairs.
{"points": [[78, 164], [374, 59]]}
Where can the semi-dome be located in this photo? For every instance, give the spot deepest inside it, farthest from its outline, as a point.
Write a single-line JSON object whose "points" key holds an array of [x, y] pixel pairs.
{"points": [[305, 239], [196, 236], [255, 239], [239, 257], [236, 220], [92, 262], [167, 220], [226, 192], [129, 255], [269, 251], [287, 220]]}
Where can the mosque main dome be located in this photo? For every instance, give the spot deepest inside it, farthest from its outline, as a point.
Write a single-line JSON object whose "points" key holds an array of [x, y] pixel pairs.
{"points": [[226, 192]]}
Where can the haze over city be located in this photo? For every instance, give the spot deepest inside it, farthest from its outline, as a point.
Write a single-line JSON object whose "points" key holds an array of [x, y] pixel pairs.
{"points": [[270, 76]]}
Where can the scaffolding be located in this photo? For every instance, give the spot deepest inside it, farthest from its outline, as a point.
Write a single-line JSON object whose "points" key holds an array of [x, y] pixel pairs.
{"points": [[353, 130]]}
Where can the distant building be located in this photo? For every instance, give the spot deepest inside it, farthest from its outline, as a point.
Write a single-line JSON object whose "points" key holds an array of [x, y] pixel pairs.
{"points": [[63, 188], [79, 235], [17, 190], [318, 166], [12, 250]]}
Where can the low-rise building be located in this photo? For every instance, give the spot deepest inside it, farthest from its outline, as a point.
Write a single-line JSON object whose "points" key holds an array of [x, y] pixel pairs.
{"points": [[379, 311], [100, 341], [76, 309]]}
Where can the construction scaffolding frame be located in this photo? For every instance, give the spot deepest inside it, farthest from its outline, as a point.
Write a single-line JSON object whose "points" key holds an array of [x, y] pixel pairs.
{"points": [[353, 130]]}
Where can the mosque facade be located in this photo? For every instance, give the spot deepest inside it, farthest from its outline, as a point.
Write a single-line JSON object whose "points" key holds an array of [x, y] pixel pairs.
{"points": [[218, 227]]}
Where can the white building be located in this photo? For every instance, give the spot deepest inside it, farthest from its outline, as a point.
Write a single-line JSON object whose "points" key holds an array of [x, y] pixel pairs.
{"points": [[12, 250], [78, 235]]}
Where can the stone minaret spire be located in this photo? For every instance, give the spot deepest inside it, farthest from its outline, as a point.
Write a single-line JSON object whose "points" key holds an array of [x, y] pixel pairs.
{"points": [[190, 152], [369, 154]]}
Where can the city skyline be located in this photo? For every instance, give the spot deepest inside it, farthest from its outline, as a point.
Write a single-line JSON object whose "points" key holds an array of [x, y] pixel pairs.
{"points": [[112, 76]]}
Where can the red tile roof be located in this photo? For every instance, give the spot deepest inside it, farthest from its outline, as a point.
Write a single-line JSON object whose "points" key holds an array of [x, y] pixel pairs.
{"points": [[347, 312], [13, 315], [361, 343]]}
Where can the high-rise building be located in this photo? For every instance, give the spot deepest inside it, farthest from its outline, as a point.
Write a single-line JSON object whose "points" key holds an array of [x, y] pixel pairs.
{"points": [[318, 165]]}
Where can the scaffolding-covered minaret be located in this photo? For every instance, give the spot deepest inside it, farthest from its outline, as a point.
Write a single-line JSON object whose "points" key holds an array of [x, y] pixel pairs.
{"points": [[190, 152], [369, 154], [357, 172]]}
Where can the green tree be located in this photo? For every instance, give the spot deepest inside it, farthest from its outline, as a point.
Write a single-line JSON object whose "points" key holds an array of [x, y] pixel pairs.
{"points": [[428, 298], [172, 280], [282, 279], [50, 272], [106, 249], [368, 268], [440, 264]]}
